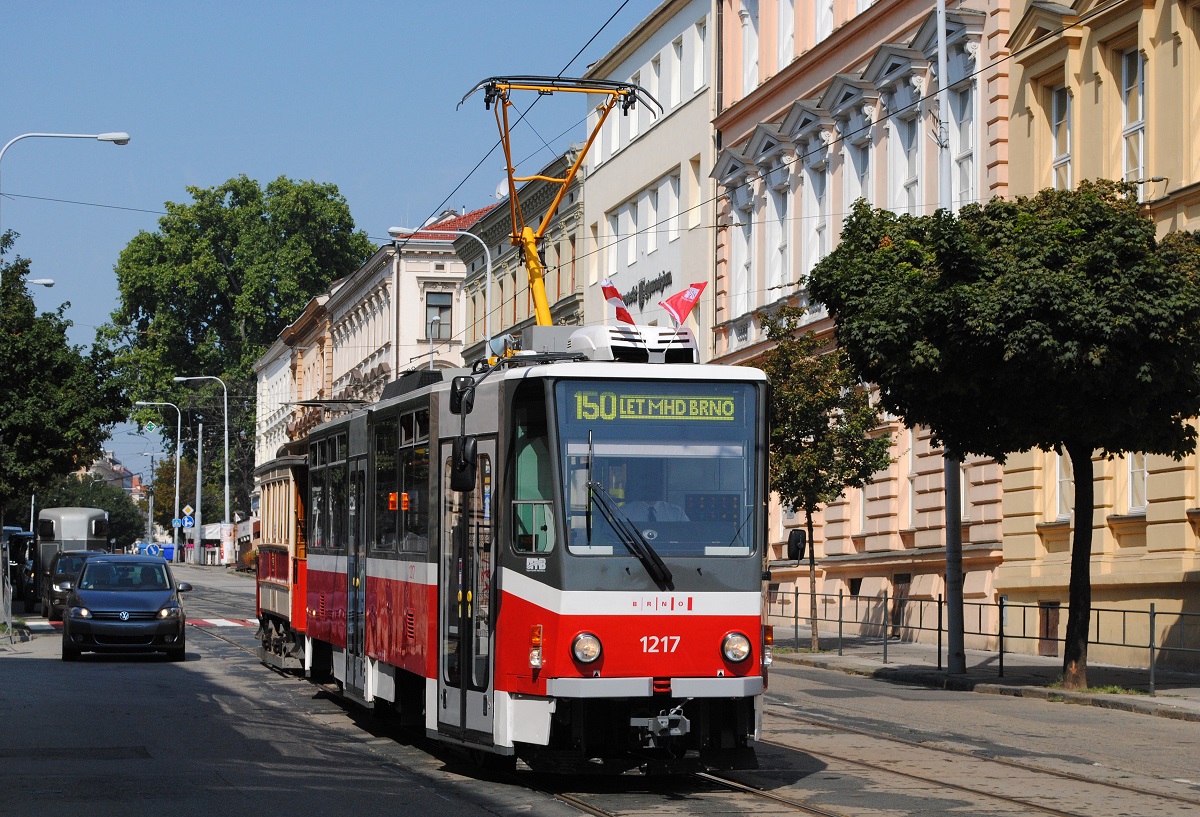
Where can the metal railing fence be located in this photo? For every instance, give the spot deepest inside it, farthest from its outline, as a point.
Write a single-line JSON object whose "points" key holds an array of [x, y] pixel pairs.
{"points": [[904, 618]]}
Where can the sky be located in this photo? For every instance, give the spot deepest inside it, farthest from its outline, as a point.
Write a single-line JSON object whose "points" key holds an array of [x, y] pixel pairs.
{"points": [[356, 93]]}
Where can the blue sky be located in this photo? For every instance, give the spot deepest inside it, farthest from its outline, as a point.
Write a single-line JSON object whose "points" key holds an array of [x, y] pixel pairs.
{"points": [[360, 94]]}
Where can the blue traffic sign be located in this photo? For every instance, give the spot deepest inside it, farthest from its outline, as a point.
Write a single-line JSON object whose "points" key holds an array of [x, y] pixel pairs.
{"points": [[189, 522], [177, 523], [153, 550]]}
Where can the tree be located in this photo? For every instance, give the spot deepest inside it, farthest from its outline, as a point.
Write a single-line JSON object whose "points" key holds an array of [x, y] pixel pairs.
{"points": [[164, 491], [1016, 325], [56, 402], [214, 286], [126, 522], [824, 430]]}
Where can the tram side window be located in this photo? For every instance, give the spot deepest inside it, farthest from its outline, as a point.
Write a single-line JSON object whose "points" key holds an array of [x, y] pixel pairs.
{"points": [[533, 518], [317, 507], [414, 499], [339, 494], [387, 491]]}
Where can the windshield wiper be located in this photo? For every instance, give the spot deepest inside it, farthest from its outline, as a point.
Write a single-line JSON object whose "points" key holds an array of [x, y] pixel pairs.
{"points": [[632, 538]]}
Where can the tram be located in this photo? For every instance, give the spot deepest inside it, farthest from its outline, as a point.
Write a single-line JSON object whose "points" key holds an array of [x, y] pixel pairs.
{"points": [[280, 569], [557, 558]]}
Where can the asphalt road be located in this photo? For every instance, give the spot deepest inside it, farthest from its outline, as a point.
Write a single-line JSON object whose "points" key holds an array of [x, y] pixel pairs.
{"points": [[221, 732]]}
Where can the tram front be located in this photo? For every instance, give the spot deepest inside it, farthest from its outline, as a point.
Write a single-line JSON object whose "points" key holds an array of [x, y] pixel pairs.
{"points": [[636, 561]]}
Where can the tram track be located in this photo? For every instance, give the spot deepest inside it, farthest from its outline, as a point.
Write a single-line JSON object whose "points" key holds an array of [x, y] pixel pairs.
{"points": [[1008, 763]]}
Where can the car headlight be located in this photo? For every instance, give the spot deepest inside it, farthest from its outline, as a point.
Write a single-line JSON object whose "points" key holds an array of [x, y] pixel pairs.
{"points": [[735, 647], [586, 648], [80, 612], [170, 612], [58, 588]]}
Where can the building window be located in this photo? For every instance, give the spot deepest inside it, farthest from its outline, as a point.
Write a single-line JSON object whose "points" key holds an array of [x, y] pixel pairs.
{"points": [[631, 234], [698, 56], [693, 199], [1138, 482], [906, 153], [740, 264], [1133, 134], [439, 305], [676, 68], [787, 32], [824, 21], [652, 225], [749, 19], [1064, 483], [964, 148], [912, 479], [816, 217], [777, 241], [673, 206], [614, 232], [1060, 131], [857, 172]]}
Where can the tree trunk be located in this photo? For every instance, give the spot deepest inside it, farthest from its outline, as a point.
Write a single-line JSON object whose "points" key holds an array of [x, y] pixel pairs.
{"points": [[1079, 609], [812, 581]]}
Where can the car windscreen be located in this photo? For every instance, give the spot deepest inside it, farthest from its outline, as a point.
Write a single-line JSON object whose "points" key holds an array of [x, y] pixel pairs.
{"points": [[124, 577], [70, 565]]}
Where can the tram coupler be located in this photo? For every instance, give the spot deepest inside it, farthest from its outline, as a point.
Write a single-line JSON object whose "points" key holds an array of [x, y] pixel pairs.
{"points": [[671, 724]]}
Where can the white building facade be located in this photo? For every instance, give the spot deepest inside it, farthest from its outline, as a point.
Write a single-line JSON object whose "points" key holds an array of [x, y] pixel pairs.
{"points": [[648, 211]]}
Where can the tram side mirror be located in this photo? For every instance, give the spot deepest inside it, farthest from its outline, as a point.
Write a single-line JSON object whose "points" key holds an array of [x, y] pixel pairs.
{"points": [[462, 464], [796, 544], [462, 394]]}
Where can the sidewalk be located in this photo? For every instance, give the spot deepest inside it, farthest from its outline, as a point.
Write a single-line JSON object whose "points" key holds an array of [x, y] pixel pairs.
{"points": [[1029, 676]]}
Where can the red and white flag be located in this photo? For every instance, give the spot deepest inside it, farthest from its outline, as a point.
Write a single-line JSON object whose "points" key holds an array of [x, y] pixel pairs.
{"points": [[613, 297], [679, 305]]}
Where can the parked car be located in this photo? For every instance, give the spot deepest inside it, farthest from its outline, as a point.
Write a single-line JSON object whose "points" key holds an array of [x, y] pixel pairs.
{"points": [[124, 603], [64, 567]]}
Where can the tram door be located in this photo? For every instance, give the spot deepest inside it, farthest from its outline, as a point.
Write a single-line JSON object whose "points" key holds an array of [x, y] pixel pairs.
{"points": [[467, 554], [356, 578]]}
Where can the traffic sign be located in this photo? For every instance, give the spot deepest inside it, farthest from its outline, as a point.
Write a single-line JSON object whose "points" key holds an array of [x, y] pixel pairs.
{"points": [[187, 510], [151, 427], [177, 523], [153, 550], [189, 522]]}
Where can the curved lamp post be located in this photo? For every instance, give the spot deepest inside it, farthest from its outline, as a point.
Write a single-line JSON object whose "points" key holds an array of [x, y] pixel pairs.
{"points": [[400, 232], [116, 137]]}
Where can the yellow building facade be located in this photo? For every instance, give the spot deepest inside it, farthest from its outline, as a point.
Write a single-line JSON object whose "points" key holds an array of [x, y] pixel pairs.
{"points": [[1108, 90]]}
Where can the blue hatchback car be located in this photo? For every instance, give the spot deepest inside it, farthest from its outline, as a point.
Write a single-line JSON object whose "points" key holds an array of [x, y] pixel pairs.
{"points": [[122, 603]]}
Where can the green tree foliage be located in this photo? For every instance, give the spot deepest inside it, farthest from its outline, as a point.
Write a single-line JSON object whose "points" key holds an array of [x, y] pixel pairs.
{"points": [[126, 522], [56, 401], [824, 431], [164, 492], [214, 286], [1055, 322]]}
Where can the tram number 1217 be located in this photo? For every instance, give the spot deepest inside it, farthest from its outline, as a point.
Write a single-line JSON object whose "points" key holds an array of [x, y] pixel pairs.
{"points": [[654, 643]]}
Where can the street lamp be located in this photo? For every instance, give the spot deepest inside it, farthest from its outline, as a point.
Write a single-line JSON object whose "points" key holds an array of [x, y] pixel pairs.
{"points": [[178, 454], [397, 232], [117, 138], [226, 390], [434, 321]]}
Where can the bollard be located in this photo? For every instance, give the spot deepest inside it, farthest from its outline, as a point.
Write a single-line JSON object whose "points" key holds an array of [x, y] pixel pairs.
{"points": [[939, 650], [885, 625], [840, 608], [1152, 691], [1000, 627], [796, 614]]}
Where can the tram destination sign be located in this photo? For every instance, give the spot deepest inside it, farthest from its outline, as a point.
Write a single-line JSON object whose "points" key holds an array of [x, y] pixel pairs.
{"points": [[613, 405]]}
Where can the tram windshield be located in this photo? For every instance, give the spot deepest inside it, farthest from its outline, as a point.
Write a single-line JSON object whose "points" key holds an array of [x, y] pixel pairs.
{"points": [[676, 458]]}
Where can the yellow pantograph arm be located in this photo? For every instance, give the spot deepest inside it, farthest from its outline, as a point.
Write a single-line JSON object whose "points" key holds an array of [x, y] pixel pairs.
{"points": [[496, 91]]}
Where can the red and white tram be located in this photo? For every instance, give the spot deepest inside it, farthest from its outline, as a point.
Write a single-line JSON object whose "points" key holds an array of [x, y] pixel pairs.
{"points": [[557, 559]]}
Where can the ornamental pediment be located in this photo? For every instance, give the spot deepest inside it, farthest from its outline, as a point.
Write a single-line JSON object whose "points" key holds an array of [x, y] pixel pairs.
{"points": [[893, 64], [765, 144], [731, 164], [961, 25], [846, 93], [1040, 21], [805, 117]]}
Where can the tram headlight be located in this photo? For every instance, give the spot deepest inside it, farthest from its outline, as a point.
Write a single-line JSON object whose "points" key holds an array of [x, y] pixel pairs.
{"points": [[586, 648], [535, 646], [768, 650], [735, 647]]}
